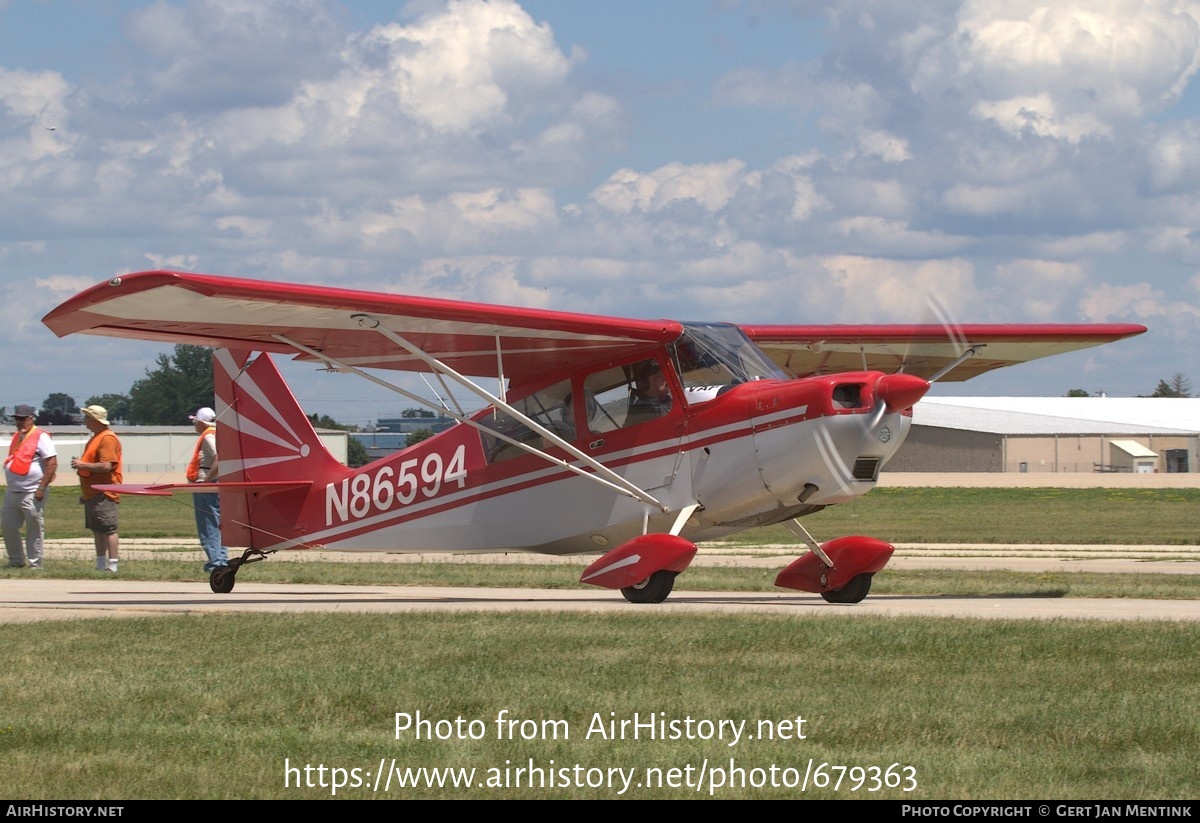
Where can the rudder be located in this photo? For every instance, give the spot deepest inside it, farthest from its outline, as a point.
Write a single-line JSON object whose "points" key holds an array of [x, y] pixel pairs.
{"points": [[264, 435]]}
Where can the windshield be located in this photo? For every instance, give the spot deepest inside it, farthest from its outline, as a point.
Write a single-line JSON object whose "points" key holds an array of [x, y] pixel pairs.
{"points": [[711, 356]]}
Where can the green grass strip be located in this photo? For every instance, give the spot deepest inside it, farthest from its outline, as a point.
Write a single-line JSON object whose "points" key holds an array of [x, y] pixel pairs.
{"points": [[898, 515], [215, 706]]}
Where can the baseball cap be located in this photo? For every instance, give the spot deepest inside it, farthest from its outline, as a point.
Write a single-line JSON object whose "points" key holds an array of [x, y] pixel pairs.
{"points": [[204, 415]]}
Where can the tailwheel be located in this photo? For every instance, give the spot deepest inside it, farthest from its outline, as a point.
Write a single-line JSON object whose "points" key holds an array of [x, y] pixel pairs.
{"points": [[654, 589], [221, 579], [852, 592]]}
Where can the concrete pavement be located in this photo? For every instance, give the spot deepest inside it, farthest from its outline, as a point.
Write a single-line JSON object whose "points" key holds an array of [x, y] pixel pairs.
{"points": [[26, 597]]}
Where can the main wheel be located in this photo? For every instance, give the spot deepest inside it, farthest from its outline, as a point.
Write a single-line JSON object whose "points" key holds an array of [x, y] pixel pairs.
{"points": [[852, 592], [654, 589], [221, 579]]}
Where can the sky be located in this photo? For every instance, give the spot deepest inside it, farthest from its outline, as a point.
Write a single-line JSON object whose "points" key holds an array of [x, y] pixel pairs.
{"points": [[754, 161]]}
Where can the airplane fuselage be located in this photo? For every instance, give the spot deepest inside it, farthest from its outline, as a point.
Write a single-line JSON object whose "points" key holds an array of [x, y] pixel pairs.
{"points": [[758, 453]]}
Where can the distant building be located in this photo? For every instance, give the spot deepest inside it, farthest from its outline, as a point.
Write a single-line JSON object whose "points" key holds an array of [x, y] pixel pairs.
{"points": [[1052, 434], [391, 433], [408, 425]]}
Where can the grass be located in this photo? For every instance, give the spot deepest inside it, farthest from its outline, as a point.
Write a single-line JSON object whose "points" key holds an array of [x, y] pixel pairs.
{"points": [[213, 707], [141, 516], [899, 515], [1043, 515]]}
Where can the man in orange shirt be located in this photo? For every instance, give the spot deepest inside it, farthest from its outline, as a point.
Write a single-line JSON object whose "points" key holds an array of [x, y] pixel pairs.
{"points": [[100, 464]]}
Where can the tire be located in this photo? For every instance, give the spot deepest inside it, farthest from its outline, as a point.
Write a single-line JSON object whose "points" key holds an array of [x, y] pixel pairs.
{"points": [[221, 579], [852, 592], [654, 589]]}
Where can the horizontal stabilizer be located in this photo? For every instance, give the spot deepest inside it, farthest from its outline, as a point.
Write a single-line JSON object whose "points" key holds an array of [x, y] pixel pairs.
{"points": [[168, 489]]}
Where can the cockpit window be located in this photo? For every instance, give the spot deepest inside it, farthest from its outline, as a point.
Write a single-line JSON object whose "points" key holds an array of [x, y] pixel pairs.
{"points": [[626, 395], [713, 356], [550, 407]]}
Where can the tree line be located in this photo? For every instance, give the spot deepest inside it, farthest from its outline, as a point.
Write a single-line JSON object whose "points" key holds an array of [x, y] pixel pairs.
{"points": [[1177, 385], [177, 385]]}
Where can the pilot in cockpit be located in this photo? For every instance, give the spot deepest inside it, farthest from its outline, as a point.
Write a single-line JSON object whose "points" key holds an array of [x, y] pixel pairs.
{"points": [[650, 396]]}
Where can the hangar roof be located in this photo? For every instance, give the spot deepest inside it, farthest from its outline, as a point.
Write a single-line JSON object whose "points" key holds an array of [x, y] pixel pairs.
{"points": [[1062, 415]]}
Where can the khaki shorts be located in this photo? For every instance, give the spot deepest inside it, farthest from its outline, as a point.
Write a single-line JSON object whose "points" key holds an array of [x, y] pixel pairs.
{"points": [[100, 514]]}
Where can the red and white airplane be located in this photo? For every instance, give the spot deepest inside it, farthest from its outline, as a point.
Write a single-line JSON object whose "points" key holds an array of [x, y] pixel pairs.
{"points": [[632, 439]]}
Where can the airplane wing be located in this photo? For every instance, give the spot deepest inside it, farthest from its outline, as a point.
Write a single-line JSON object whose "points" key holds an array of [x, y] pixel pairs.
{"points": [[481, 340], [208, 310], [926, 350]]}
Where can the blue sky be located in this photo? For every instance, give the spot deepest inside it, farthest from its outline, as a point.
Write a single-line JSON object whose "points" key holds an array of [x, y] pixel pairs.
{"points": [[760, 161]]}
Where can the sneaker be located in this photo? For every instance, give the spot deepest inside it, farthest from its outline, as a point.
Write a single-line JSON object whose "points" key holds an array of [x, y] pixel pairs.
{"points": [[15, 566]]}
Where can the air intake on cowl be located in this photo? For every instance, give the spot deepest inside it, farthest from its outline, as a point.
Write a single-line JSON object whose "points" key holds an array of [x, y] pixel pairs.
{"points": [[866, 468]]}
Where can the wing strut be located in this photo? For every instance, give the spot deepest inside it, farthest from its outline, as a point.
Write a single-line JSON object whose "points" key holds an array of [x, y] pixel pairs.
{"points": [[438, 394], [500, 370], [604, 475]]}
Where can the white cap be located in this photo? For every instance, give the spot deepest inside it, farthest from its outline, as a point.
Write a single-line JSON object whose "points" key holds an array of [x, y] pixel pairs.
{"points": [[204, 415]]}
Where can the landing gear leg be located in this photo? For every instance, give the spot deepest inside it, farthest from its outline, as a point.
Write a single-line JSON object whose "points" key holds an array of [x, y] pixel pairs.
{"points": [[222, 578]]}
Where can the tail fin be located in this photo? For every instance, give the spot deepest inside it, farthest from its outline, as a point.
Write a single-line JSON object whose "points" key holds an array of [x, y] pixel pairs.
{"points": [[263, 436]]}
